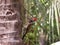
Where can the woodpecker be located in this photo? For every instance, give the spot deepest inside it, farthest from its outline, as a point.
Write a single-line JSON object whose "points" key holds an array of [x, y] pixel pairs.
{"points": [[31, 22]]}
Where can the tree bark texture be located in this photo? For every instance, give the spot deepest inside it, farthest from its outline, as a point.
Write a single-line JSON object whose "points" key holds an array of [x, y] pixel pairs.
{"points": [[10, 23]]}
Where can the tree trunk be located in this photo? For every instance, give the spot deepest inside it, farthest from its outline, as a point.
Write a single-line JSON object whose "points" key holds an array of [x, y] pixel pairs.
{"points": [[10, 22]]}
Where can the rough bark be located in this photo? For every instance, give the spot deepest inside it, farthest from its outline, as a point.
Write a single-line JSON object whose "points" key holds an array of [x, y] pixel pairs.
{"points": [[10, 23]]}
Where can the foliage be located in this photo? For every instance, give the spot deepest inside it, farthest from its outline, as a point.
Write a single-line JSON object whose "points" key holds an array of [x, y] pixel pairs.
{"points": [[47, 13]]}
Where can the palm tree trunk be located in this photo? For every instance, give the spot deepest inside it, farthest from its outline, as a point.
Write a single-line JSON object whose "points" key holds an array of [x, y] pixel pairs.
{"points": [[10, 23]]}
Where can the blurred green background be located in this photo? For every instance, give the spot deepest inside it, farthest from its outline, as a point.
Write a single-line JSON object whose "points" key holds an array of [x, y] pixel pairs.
{"points": [[47, 27]]}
